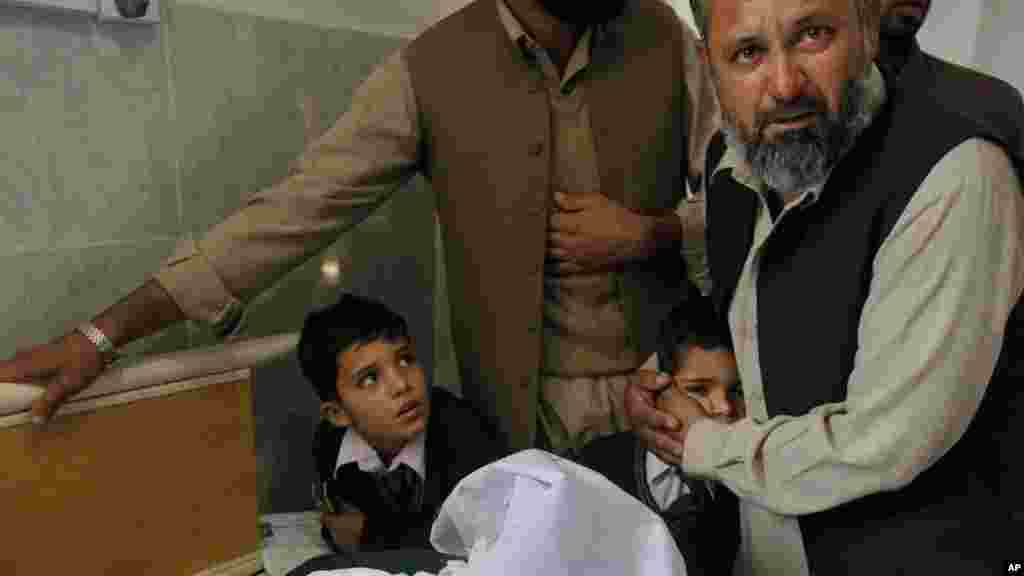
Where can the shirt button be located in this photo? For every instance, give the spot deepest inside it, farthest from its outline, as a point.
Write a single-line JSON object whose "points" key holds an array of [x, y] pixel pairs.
{"points": [[536, 148]]}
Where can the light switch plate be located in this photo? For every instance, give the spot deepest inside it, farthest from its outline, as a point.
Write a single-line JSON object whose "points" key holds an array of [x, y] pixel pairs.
{"points": [[121, 10], [85, 6]]}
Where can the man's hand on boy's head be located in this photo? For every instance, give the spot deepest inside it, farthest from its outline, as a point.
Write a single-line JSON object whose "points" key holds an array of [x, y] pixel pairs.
{"points": [[346, 528], [656, 429]]}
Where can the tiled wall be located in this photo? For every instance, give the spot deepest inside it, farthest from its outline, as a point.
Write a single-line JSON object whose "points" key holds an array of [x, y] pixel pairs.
{"points": [[87, 169], [118, 140]]}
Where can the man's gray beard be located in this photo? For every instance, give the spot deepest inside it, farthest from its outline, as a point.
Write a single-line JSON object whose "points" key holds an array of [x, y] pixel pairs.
{"points": [[801, 159]]}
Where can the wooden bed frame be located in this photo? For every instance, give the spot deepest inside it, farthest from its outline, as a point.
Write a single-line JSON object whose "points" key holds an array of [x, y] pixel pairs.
{"points": [[137, 477]]}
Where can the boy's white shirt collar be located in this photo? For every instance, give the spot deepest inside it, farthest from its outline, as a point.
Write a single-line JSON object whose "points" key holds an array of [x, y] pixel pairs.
{"points": [[355, 448], [658, 472], [656, 468]]}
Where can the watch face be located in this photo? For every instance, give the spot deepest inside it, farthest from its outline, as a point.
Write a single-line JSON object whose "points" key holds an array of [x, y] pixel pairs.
{"points": [[132, 8]]}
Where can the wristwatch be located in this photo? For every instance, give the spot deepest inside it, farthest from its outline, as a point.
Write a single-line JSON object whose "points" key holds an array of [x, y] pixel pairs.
{"points": [[99, 340]]}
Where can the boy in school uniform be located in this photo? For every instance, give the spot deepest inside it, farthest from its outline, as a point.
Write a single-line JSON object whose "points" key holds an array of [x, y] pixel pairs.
{"points": [[702, 517], [388, 449]]}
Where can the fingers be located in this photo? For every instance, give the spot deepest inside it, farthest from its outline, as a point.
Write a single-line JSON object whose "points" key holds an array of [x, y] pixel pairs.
{"points": [[577, 201], [645, 414], [559, 243], [664, 446], [567, 247], [681, 405], [640, 409], [565, 224], [563, 267], [35, 365], [556, 254], [41, 410], [30, 365], [569, 202], [74, 366], [57, 391], [650, 380], [667, 457]]}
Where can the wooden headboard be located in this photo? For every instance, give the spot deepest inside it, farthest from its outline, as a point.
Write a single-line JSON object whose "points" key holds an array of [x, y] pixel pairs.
{"points": [[151, 472]]}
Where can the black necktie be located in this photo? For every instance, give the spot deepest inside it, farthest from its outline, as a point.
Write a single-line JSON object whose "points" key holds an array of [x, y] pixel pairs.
{"points": [[699, 490], [400, 489], [693, 503]]}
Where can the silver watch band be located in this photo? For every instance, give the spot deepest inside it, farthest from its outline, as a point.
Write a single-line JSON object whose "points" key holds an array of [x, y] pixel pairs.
{"points": [[99, 339]]}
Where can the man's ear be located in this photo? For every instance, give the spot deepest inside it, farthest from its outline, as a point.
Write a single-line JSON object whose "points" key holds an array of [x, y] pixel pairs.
{"points": [[335, 413]]}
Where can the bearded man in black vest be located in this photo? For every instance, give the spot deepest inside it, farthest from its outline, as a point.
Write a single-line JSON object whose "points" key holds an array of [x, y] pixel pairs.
{"points": [[866, 245]]}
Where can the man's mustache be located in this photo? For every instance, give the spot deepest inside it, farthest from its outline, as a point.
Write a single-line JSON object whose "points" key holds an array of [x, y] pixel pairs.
{"points": [[794, 109]]}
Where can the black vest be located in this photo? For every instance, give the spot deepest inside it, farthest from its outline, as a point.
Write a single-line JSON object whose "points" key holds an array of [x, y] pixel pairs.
{"points": [[991, 102], [812, 285]]}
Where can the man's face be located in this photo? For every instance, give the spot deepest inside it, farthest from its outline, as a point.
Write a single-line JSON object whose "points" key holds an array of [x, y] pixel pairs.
{"points": [[789, 76], [708, 376], [584, 12], [382, 393], [903, 18]]}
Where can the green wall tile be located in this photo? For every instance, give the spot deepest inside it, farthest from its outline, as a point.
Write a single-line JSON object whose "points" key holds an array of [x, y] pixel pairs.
{"points": [[85, 114], [239, 82], [381, 17], [48, 293]]}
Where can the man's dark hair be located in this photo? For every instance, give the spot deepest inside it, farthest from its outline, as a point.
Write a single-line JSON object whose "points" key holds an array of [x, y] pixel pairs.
{"points": [[329, 331], [692, 322]]}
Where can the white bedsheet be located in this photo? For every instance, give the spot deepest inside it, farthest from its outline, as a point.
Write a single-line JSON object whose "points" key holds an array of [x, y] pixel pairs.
{"points": [[534, 513]]}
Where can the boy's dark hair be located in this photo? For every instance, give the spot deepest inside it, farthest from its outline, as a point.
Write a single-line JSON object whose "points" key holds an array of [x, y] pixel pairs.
{"points": [[329, 331], [693, 322]]}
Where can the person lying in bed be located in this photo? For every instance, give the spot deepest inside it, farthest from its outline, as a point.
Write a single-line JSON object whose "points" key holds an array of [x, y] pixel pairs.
{"points": [[388, 450], [703, 518]]}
